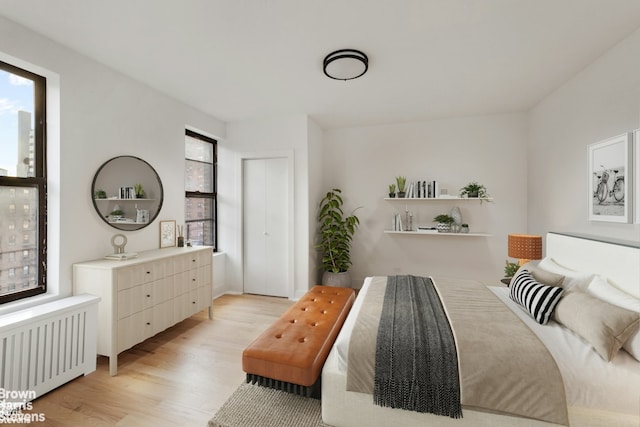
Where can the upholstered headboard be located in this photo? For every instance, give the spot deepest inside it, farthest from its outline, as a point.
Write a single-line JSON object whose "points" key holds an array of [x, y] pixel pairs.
{"points": [[619, 261]]}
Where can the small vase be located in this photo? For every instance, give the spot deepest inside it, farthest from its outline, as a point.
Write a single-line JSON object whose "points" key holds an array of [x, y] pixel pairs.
{"points": [[456, 215]]}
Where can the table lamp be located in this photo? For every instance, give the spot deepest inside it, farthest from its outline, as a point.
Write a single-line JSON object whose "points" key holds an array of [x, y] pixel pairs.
{"points": [[525, 247]]}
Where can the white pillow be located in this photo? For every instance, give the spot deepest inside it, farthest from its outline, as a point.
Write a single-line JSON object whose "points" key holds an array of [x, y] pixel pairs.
{"points": [[572, 279], [602, 289]]}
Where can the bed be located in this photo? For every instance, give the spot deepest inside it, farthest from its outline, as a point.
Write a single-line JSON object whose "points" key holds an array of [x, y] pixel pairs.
{"points": [[597, 392]]}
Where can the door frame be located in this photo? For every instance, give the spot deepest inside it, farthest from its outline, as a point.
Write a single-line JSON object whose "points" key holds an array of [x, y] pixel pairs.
{"points": [[280, 154]]}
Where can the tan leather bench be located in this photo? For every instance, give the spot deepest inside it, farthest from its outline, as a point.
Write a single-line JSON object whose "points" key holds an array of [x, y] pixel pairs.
{"points": [[292, 351]]}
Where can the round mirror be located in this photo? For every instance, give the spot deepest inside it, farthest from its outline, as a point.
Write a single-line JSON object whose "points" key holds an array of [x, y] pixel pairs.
{"points": [[127, 193]]}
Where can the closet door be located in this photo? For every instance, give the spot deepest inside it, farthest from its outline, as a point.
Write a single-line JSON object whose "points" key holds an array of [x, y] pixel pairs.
{"points": [[266, 226]]}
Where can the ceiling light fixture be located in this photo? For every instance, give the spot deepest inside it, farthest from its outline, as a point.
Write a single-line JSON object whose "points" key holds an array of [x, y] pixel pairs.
{"points": [[345, 64]]}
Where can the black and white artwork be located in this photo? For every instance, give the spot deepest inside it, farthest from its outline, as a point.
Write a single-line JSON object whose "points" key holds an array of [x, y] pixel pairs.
{"points": [[609, 180]]}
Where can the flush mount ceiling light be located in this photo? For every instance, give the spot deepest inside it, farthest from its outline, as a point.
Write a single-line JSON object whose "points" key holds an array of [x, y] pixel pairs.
{"points": [[345, 64]]}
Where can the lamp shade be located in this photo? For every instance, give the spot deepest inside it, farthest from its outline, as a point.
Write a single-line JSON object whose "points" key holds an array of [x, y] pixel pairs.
{"points": [[345, 64], [525, 247]]}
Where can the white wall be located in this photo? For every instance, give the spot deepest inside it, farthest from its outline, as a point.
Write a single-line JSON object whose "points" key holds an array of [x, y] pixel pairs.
{"points": [[601, 101], [103, 114], [316, 192], [488, 149], [261, 137]]}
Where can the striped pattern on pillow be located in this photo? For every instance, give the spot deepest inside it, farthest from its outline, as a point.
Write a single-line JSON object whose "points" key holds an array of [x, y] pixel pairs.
{"points": [[537, 299]]}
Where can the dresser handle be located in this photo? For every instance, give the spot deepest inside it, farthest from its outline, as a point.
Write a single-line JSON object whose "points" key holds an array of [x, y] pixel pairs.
{"points": [[148, 296], [148, 323]]}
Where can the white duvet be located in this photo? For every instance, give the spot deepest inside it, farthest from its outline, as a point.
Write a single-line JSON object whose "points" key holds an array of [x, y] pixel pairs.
{"points": [[590, 382]]}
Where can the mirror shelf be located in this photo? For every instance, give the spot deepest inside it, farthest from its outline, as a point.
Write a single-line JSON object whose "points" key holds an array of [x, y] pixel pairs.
{"points": [[140, 185]]}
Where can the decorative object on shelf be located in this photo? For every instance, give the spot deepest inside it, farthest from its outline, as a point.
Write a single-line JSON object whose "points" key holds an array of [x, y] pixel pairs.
{"points": [[456, 215], [142, 216], [345, 64], [525, 247], [408, 220], [392, 190], [139, 191], [401, 181], [167, 233], [116, 213], [336, 233], [474, 190], [180, 236], [464, 228], [100, 194], [444, 222]]}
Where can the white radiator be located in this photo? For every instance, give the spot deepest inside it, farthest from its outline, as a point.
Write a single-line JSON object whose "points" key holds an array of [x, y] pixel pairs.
{"points": [[45, 346]]}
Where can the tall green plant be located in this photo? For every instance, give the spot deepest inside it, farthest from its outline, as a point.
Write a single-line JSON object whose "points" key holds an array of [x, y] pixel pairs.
{"points": [[336, 233]]}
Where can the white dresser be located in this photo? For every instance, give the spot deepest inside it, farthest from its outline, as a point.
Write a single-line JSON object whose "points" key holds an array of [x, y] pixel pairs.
{"points": [[145, 295]]}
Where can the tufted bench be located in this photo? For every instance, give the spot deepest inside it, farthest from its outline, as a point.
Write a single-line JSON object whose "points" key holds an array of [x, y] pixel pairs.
{"points": [[290, 354]]}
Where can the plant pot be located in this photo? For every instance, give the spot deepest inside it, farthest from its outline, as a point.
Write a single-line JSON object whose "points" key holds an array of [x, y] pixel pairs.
{"points": [[401, 194], [443, 227], [342, 279], [473, 195], [392, 195], [464, 229]]}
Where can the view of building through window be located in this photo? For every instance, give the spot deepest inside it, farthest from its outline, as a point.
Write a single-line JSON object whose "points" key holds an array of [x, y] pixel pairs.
{"points": [[200, 189], [21, 184]]}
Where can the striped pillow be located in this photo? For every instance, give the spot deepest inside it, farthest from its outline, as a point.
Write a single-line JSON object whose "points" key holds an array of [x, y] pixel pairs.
{"points": [[537, 299]]}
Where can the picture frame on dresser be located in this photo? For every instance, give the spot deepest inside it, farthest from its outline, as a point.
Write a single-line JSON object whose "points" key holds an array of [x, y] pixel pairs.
{"points": [[167, 233], [610, 167]]}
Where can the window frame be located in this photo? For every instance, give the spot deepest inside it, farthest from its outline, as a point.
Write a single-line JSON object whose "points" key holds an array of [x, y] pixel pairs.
{"points": [[38, 181], [206, 195]]}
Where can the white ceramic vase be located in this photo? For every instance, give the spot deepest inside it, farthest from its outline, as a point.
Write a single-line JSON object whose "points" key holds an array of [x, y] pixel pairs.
{"points": [[456, 215]]}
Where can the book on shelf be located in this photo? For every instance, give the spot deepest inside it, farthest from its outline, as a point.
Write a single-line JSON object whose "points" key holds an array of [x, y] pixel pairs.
{"points": [[427, 230]]}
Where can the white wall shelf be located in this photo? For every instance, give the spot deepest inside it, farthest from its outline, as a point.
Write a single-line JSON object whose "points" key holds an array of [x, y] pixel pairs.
{"points": [[420, 233], [438, 199]]}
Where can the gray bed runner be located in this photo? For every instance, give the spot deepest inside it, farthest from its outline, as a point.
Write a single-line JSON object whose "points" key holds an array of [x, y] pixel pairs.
{"points": [[416, 365]]}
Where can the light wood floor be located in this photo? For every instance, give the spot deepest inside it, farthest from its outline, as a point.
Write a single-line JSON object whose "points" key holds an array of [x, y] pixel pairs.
{"points": [[180, 377]]}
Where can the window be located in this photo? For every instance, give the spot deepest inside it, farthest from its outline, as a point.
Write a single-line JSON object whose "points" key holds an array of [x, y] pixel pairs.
{"points": [[200, 190], [22, 182]]}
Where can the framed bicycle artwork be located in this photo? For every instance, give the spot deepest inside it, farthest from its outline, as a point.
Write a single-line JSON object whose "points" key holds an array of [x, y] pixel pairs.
{"points": [[636, 169], [610, 185]]}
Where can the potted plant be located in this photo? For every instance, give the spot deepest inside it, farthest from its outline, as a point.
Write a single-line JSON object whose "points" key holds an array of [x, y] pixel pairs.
{"points": [[100, 194], [474, 190], [464, 228], [444, 223], [401, 181], [392, 190], [336, 233], [139, 191], [510, 269]]}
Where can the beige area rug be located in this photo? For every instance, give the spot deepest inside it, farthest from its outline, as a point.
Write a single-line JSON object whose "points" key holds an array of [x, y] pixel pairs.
{"points": [[255, 406]]}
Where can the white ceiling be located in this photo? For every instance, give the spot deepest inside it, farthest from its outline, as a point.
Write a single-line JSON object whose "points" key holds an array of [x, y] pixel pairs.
{"points": [[244, 59]]}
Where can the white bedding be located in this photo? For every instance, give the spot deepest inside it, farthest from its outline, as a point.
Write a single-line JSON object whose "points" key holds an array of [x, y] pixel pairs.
{"points": [[591, 383]]}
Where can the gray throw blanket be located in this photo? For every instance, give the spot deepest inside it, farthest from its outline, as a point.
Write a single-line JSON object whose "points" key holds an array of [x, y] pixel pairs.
{"points": [[416, 363]]}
